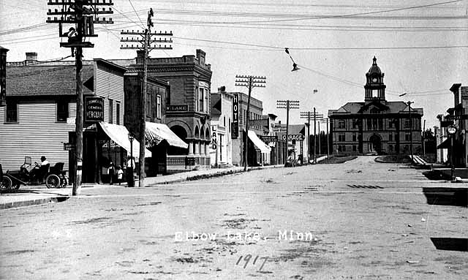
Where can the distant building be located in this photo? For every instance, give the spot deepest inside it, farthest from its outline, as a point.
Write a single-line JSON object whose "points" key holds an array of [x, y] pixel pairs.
{"points": [[259, 151], [376, 125], [221, 130], [457, 117]]}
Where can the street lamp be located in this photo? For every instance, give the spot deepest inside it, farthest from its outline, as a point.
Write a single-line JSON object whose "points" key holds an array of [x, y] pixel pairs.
{"points": [[451, 130], [130, 180]]}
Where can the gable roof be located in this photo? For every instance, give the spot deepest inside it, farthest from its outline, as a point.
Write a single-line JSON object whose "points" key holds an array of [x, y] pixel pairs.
{"points": [[45, 80]]}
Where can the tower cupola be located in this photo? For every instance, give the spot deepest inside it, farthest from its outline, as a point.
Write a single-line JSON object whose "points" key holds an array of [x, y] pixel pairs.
{"points": [[375, 87]]}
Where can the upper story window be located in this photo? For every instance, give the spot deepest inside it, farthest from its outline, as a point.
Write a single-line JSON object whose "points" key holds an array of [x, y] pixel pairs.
{"points": [[111, 111], [62, 111], [158, 107], [12, 111], [117, 112], [201, 99], [341, 124], [407, 123]]}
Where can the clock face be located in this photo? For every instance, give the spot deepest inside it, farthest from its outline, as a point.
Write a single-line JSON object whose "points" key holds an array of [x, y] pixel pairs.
{"points": [[374, 80]]}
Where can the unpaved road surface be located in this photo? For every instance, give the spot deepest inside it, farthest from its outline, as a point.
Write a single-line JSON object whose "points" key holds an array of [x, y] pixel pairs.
{"points": [[357, 220]]}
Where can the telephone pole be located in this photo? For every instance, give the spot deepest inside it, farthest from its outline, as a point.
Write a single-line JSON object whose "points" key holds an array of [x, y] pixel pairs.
{"points": [[287, 104], [146, 43], [308, 115], [411, 128], [80, 16], [249, 82]]}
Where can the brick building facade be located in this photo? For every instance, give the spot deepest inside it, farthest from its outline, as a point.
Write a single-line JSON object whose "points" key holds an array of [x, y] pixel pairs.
{"points": [[376, 126]]}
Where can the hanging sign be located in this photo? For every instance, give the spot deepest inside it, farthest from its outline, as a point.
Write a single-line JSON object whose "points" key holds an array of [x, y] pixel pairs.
{"points": [[235, 117], [93, 109]]}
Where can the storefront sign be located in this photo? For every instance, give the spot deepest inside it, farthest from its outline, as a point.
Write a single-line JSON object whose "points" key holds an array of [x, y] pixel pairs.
{"points": [[235, 117], [94, 109], [268, 139], [298, 137], [68, 146], [177, 108]]}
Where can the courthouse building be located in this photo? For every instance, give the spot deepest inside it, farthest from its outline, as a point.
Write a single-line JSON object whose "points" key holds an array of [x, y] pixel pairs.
{"points": [[376, 126]]}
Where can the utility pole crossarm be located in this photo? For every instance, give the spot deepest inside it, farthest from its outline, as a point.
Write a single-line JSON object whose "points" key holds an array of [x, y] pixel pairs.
{"points": [[249, 82], [287, 104], [82, 15], [146, 43]]}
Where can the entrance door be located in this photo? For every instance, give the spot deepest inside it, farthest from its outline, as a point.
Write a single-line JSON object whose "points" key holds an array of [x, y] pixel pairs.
{"points": [[375, 144]]}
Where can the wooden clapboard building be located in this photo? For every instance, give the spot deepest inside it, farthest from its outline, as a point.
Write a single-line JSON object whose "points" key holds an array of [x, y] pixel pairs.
{"points": [[39, 116], [376, 126]]}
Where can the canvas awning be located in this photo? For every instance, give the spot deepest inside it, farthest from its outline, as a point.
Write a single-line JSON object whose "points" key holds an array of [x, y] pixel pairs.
{"points": [[444, 145], [119, 134], [158, 132], [264, 148]]}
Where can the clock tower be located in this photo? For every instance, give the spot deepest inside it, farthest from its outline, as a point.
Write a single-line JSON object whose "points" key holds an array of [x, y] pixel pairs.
{"points": [[375, 87]]}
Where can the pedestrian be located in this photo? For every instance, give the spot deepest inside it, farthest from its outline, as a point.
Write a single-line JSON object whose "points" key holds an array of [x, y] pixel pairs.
{"points": [[130, 168], [120, 173], [111, 172]]}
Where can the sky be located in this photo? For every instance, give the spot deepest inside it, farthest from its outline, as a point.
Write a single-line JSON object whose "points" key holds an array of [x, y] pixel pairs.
{"points": [[420, 45]]}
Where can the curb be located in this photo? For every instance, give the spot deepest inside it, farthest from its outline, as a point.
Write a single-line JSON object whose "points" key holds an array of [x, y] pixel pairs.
{"points": [[30, 202]]}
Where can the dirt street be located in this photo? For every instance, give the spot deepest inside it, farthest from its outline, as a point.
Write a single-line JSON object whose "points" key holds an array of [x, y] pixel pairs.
{"points": [[357, 220]]}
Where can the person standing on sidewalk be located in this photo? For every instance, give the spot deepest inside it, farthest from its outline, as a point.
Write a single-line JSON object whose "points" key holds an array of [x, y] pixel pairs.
{"points": [[111, 171], [130, 168]]}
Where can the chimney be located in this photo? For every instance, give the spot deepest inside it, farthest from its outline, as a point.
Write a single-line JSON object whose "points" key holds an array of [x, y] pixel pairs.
{"points": [[31, 58], [201, 56], [222, 89]]}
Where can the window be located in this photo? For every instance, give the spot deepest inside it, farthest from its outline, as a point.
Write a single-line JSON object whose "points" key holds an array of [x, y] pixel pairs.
{"points": [[355, 123], [375, 93], [221, 147], [390, 137], [12, 111], [111, 111], [341, 123], [354, 137], [341, 137], [407, 136], [354, 148], [158, 107], [117, 112], [390, 148], [201, 99], [407, 123], [62, 111]]}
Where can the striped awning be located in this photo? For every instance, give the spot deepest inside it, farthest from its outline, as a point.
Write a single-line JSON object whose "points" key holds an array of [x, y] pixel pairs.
{"points": [[157, 132], [119, 134]]}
